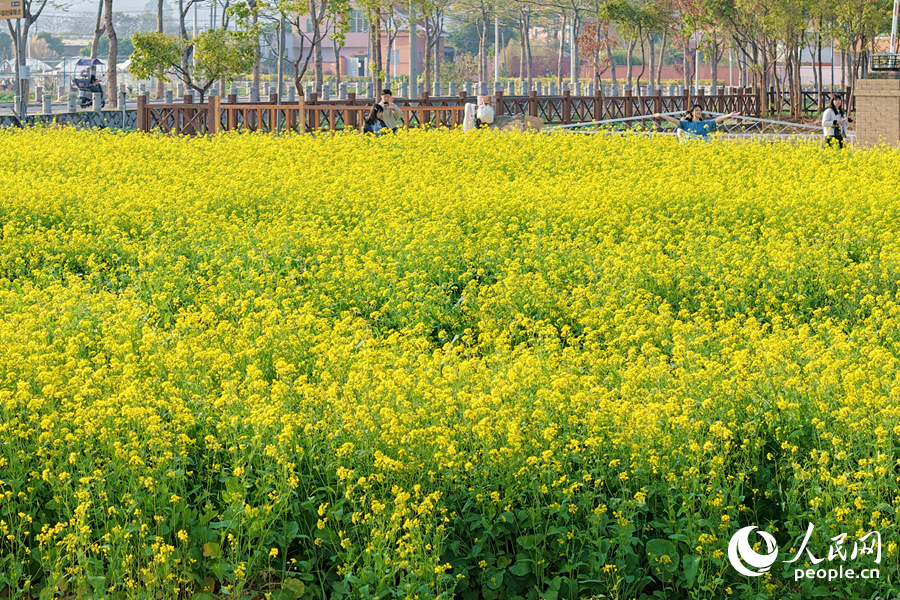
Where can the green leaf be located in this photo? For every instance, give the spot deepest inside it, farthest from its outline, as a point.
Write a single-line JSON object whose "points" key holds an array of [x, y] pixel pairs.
{"points": [[98, 583], [295, 587], [690, 569], [658, 548], [521, 568]]}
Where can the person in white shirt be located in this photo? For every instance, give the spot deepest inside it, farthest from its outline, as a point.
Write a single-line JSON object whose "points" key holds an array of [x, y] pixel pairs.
{"points": [[468, 123], [834, 122]]}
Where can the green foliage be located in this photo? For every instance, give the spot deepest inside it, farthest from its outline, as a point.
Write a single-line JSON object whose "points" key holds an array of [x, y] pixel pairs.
{"points": [[53, 43], [6, 47], [155, 55], [217, 54], [222, 54], [125, 47]]}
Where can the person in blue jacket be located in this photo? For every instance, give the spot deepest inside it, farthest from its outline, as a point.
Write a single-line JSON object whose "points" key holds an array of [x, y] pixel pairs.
{"points": [[694, 125]]}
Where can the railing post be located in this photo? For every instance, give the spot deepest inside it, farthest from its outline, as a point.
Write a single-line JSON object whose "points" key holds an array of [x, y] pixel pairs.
{"points": [[212, 115], [301, 112], [314, 113], [657, 101], [720, 100], [532, 103], [141, 113], [498, 102], [598, 103], [629, 105], [759, 110], [566, 107]]}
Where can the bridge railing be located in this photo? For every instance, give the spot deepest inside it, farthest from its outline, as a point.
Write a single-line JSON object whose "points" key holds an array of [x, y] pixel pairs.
{"points": [[313, 114]]}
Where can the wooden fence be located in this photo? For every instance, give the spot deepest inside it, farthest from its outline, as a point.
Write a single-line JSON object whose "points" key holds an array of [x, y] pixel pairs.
{"points": [[227, 114]]}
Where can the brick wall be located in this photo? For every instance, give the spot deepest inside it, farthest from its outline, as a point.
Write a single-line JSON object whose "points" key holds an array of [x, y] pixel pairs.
{"points": [[877, 112]]}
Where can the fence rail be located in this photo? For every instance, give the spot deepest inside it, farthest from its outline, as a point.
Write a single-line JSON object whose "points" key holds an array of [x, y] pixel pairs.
{"points": [[227, 114]]}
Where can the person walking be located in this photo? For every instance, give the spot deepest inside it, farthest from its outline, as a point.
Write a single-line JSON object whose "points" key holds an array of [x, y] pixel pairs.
{"points": [[834, 122], [694, 125], [374, 122], [468, 123], [393, 116]]}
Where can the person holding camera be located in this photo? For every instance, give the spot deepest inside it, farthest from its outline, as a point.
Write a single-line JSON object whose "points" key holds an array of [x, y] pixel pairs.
{"points": [[834, 122], [392, 115]]}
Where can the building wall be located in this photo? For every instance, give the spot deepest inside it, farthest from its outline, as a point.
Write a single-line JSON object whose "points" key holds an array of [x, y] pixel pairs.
{"points": [[354, 55]]}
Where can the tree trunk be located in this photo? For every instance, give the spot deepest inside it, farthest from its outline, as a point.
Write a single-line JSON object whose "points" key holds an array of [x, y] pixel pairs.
{"points": [[318, 67], [98, 29], [612, 64], [160, 85], [438, 51], [686, 64], [482, 51], [662, 56], [256, 58], [652, 60], [337, 62], [629, 61], [529, 62], [428, 38], [714, 62], [112, 87], [282, 42], [376, 43], [562, 44]]}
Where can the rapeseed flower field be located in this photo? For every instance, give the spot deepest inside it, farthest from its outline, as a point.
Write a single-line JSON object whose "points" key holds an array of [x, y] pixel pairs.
{"points": [[441, 365]]}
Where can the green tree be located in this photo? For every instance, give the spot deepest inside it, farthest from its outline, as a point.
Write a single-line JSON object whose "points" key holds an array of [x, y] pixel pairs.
{"points": [[218, 54], [126, 47], [5, 45], [53, 43]]}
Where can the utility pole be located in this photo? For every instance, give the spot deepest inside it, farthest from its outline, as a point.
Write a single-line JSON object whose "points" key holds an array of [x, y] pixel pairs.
{"points": [[894, 27]]}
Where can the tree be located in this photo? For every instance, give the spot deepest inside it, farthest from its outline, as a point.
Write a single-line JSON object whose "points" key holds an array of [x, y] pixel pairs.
{"points": [[5, 45], [111, 73], [216, 54], [125, 48], [31, 11], [54, 45]]}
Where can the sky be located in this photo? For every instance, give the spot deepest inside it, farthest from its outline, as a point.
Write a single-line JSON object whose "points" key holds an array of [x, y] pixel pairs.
{"points": [[84, 6]]}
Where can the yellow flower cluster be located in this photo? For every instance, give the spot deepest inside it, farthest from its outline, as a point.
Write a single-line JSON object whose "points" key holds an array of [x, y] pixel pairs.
{"points": [[452, 363]]}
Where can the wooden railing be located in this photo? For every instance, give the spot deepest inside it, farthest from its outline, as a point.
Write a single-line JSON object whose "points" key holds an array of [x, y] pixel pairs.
{"points": [[227, 114]]}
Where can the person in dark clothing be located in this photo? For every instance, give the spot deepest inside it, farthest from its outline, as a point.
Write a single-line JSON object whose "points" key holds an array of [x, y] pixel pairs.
{"points": [[374, 123]]}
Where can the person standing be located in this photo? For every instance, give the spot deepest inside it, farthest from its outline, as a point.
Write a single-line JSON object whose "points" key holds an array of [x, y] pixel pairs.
{"points": [[393, 116], [834, 122], [694, 125]]}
